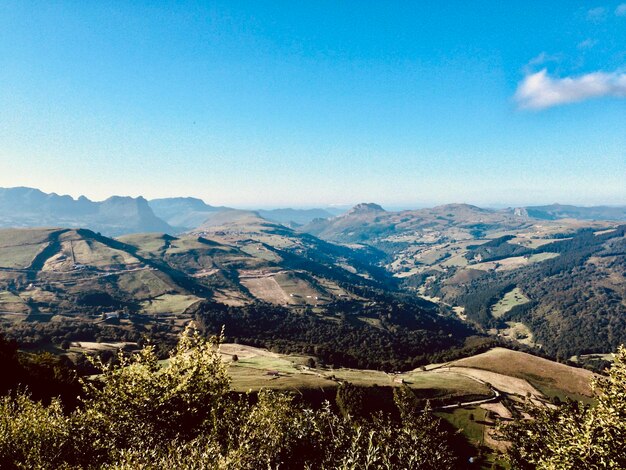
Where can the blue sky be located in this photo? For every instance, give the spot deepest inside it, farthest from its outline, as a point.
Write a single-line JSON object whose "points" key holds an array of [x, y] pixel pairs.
{"points": [[255, 104]]}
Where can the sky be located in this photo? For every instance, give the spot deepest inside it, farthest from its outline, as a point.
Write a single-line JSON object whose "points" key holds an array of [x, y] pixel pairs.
{"points": [[316, 103]]}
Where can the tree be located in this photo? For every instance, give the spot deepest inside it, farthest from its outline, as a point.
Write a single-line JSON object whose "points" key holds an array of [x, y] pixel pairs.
{"points": [[574, 435], [140, 413]]}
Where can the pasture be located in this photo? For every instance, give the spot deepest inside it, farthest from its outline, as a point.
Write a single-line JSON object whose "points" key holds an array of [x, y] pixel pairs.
{"points": [[508, 301], [168, 304], [256, 367], [18, 247], [545, 375]]}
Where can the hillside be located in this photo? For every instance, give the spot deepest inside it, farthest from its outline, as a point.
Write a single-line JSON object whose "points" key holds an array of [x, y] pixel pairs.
{"points": [[538, 282], [381, 275], [266, 283], [28, 207], [544, 374], [369, 223], [513, 368], [566, 296]]}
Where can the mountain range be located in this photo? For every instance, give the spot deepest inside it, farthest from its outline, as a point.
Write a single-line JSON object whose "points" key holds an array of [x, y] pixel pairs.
{"points": [[542, 277], [28, 207], [118, 215]]}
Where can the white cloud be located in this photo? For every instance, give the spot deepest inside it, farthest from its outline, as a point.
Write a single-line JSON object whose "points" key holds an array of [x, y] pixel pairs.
{"points": [[539, 90], [543, 58], [621, 10], [587, 44], [596, 14]]}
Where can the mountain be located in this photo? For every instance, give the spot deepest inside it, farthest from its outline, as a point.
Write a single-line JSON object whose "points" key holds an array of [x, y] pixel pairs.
{"points": [[559, 211], [183, 212], [295, 217], [370, 223], [556, 284], [188, 213], [365, 208], [29, 207]]}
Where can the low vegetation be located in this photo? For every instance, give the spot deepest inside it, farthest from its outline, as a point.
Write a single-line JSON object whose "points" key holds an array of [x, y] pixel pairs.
{"points": [[137, 414], [574, 435]]}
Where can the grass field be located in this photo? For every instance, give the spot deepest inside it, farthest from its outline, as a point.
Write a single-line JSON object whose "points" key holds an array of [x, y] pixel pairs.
{"points": [[281, 288], [539, 257], [266, 288], [514, 262], [18, 247], [531, 242], [97, 254], [519, 332], [92, 346], [545, 375], [508, 301], [604, 357], [10, 302], [147, 243], [251, 372], [145, 284], [168, 303], [461, 418]]}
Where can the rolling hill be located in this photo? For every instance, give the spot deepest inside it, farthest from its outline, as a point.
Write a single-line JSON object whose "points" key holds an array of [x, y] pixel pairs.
{"points": [[552, 284], [369, 275], [268, 284]]}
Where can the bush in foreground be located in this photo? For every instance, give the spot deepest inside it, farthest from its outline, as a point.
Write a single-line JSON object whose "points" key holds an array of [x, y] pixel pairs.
{"points": [[574, 435], [140, 414]]}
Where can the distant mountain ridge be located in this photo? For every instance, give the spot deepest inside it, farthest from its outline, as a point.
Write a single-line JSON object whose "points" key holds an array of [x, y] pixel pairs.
{"points": [[118, 215], [29, 207], [294, 217], [188, 213], [370, 223], [560, 211], [184, 213]]}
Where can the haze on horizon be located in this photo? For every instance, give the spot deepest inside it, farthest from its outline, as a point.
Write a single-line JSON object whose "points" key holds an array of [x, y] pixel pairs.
{"points": [[316, 104]]}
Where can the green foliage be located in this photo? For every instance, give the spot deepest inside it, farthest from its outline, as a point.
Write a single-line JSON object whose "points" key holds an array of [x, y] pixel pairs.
{"points": [[573, 435], [32, 435], [138, 402], [276, 433], [138, 414]]}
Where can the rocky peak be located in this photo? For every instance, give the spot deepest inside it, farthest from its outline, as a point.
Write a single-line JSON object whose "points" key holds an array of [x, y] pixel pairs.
{"points": [[365, 208]]}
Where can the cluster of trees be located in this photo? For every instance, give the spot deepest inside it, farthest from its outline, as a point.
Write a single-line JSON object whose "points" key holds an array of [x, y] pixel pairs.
{"points": [[44, 374], [40, 334], [406, 336], [138, 414], [496, 249], [573, 309]]}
